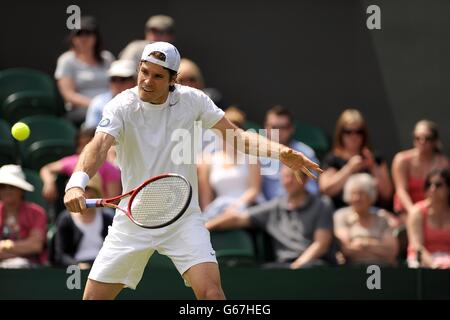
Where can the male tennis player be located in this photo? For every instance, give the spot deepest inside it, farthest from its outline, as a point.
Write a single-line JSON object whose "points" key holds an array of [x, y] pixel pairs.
{"points": [[140, 122]]}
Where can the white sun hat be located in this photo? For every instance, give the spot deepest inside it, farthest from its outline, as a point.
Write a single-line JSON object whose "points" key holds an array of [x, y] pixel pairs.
{"points": [[13, 175], [122, 68]]}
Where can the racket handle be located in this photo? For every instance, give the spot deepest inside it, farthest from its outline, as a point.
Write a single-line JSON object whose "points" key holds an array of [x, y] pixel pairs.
{"points": [[92, 203]]}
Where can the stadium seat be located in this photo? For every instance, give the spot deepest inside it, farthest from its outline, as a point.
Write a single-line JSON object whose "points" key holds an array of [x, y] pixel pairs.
{"points": [[8, 149], [35, 196], [233, 247], [51, 233], [51, 139], [401, 234], [252, 125], [263, 245], [28, 103], [21, 79], [313, 137]]}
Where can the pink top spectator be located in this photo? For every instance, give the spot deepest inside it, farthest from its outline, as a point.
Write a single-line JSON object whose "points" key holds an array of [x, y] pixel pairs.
{"points": [[434, 240], [108, 172], [31, 216]]}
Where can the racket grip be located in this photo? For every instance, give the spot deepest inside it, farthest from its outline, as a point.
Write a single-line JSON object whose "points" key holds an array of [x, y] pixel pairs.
{"points": [[92, 203]]}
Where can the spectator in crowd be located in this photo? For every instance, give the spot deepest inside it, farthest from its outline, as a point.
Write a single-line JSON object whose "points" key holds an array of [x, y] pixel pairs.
{"points": [[157, 28], [122, 76], [228, 181], [429, 224], [300, 224], [351, 154], [189, 74], [410, 167], [79, 237], [280, 118], [23, 225], [363, 231], [82, 72], [110, 175]]}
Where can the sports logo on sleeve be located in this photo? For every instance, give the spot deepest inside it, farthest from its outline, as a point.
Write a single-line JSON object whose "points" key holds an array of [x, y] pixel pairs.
{"points": [[104, 123]]}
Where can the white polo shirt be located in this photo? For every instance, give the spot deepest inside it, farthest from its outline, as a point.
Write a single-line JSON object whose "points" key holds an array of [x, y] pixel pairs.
{"points": [[144, 134]]}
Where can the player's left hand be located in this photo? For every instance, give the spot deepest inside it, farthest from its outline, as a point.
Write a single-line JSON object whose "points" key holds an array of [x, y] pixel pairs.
{"points": [[297, 161]]}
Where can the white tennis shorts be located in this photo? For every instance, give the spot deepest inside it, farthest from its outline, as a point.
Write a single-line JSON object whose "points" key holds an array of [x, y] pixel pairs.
{"points": [[127, 248]]}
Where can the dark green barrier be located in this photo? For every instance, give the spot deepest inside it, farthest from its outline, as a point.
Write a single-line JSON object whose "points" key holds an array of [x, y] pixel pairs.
{"points": [[161, 282]]}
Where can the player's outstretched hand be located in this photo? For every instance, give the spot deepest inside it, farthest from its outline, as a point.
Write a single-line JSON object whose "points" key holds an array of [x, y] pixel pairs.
{"points": [[75, 200], [297, 161]]}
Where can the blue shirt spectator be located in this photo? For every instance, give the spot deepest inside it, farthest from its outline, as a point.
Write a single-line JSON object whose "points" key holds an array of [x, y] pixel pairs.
{"points": [[279, 126], [122, 76], [272, 187], [95, 110]]}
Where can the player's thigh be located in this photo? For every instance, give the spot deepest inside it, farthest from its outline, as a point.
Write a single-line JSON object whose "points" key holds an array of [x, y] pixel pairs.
{"points": [[96, 290], [204, 278]]}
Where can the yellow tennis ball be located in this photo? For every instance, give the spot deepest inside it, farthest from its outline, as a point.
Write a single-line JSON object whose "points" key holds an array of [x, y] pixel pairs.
{"points": [[20, 131]]}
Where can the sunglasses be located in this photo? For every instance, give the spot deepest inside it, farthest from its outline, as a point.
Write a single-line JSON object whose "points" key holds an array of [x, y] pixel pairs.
{"points": [[424, 138], [158, 31], [437, 185], [281, 126], [188, 79], [121, 79], [81, 33], [353, 131]]}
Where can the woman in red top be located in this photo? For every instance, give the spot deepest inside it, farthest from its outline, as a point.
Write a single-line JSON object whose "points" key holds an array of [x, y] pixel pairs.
{"points": [[429, 224], [23, 225], [410, 167]]}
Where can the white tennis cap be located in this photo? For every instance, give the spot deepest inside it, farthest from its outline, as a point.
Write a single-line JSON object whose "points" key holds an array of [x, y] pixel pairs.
{"points": [[172, 56]]}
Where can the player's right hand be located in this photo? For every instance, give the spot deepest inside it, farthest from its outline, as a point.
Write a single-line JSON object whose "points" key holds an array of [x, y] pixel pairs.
{"points": [[75, 200]]}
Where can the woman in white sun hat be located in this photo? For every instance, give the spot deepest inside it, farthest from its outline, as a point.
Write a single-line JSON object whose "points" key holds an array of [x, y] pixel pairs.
{"points": [[23, 225]]}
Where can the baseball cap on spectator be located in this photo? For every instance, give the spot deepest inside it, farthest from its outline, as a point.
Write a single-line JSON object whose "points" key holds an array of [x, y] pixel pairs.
{"points": [[122, 68], [161, 23], [172, 56]]}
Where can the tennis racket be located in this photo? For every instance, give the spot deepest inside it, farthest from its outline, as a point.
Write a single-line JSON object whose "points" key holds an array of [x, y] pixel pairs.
{"points": [[156, 203]]}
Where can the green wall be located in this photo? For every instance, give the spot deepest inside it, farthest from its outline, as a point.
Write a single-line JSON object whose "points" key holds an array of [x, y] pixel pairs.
{"points": [[161, 282]]}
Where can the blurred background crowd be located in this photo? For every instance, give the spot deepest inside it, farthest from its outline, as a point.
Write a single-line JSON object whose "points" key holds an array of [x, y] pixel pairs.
{"points": [[366, 208]]}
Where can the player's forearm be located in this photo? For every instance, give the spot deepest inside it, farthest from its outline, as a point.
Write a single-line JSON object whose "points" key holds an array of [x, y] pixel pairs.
{"points": [[91, 158], [256, 145]]}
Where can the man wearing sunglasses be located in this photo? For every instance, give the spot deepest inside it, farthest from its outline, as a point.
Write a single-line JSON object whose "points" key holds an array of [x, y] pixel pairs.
{"points": [[122, 76], [280, 118]]}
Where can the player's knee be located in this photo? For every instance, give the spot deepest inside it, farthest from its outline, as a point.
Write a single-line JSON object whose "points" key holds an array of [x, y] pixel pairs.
{"points": [[89, 295], [213, 292]]}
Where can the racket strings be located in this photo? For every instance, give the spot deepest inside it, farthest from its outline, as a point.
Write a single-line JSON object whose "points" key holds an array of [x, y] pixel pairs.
{"points": [[160, 201]]}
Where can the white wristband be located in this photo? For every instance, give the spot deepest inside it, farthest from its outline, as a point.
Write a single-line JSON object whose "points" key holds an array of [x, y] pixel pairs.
{"points": [[79, 179]]}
